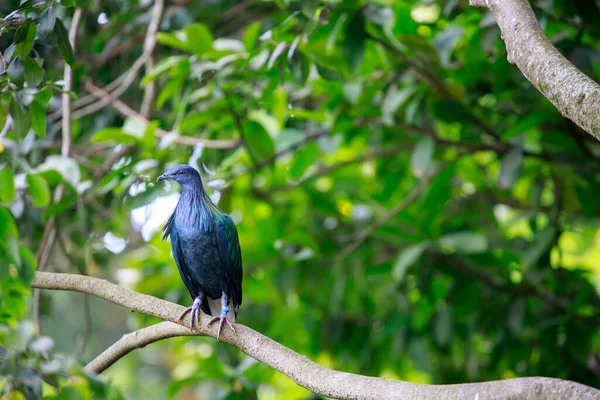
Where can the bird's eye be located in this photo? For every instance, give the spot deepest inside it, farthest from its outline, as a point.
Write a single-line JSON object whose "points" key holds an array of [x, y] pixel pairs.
{"points": [[180, 172]]}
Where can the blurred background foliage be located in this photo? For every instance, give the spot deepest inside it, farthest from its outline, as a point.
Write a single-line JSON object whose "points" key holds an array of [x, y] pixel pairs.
{"points": [[408, 205]]}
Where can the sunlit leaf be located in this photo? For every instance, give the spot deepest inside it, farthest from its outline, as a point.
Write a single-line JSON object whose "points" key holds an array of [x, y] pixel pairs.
{"points": [[303, 159], [38, 118], [422, 155], [467, 242], [39, 190], [7, 185], [407, 257], [258, 140], [251, 36]]}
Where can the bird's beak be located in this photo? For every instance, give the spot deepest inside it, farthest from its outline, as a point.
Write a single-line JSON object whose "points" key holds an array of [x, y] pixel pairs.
{"points": [[162, 178]]}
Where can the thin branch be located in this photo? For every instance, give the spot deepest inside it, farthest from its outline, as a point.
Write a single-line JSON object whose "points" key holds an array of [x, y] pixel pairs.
{"points": [[88, 104], [149, 44], [127, 111], [574, 94], [306, 373], [406, 201], [49, 235]]}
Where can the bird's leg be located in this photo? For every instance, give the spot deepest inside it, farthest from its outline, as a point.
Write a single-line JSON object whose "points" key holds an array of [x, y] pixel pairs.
{"points": [[223, 316], [195, 311]]}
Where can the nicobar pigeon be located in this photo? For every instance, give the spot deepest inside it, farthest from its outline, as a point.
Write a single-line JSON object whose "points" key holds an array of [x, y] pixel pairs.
{"points": [[206, 249]]}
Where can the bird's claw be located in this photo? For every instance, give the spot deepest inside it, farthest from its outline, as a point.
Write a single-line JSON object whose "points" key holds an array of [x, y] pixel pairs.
{"points": [[194, 316], [223, 318]]}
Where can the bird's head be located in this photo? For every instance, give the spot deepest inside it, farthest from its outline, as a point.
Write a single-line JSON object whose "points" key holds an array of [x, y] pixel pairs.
{"points": [[182, 174]]}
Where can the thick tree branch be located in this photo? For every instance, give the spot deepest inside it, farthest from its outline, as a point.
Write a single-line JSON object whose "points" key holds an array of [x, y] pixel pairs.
{"points": [[304, 372], [575, 95]]}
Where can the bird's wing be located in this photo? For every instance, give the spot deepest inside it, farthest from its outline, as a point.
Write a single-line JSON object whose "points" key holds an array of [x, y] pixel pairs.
{"points": [[231, 255], [167, 227], [179, 259]]}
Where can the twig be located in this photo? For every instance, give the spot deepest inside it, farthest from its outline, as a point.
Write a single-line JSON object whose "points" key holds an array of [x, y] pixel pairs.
{"points": [[49, 235], [88, 104], [149, 44], [306, 373], [406, 201], [127, 111]]}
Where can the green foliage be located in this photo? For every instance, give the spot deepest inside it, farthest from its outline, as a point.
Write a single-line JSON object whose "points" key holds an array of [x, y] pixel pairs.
{"points": [[340, 110]]}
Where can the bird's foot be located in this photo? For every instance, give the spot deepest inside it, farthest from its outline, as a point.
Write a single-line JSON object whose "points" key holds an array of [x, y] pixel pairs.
{"points": [[223, 318], [195, 313]]}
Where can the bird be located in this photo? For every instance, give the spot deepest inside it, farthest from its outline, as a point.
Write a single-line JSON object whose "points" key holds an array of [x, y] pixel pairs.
{"points": [[206, 248]]}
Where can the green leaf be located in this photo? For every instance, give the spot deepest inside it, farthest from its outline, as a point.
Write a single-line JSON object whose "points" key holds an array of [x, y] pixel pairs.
{"points": [[406, 258], [7, 185], [39, 190], [62, 40], [422, 155], [177, 40], [442, 325], [304, 158], [510, 170], [251, 36], [25, 46], [68, 3], [33, 72], [541, 244], [162, 67], [16, 71], [28, 264], [328, 73], [116, 135], [199, 38], [467, 242], [38, 118], [276, 53], [3, 115], [43, 96], [8, 227], [47, 21], [21, 119], [354, 42], [258, 140]]}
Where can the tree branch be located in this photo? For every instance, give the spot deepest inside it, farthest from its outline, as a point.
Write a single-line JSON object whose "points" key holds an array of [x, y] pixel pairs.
{"points": [[149, 44], [304, 372], [575, 95]]}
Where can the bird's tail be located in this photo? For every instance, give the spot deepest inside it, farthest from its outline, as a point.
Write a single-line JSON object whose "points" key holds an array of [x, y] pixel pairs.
{"points": [[215, 309]]}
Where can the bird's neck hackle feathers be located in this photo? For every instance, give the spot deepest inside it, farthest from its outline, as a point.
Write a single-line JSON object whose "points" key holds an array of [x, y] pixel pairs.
{"points": [[196, 207]]}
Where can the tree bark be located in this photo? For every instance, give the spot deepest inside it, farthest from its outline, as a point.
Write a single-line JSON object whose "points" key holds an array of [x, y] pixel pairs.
{"points": [[306, 373], [575, 95]]}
